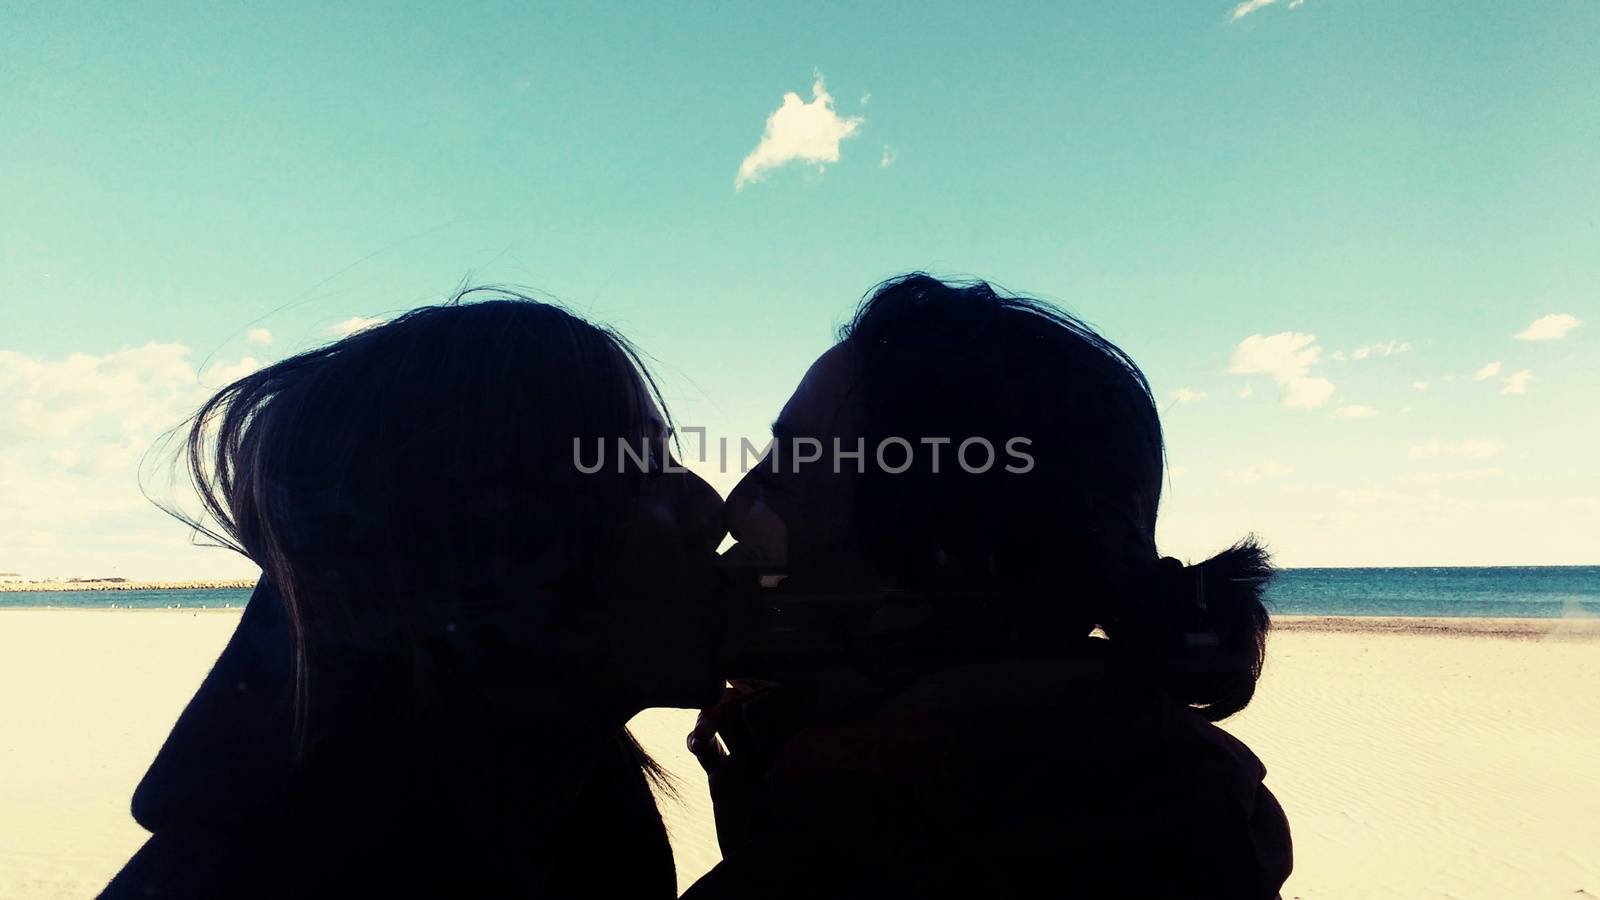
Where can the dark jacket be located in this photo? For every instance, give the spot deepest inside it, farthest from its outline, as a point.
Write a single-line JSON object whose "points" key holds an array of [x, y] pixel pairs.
{"points": [[1044, 778], [380, 810]]}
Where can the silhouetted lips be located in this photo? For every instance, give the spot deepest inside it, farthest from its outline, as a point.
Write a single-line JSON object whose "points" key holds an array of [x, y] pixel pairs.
{"points": [[742, 557], [741, 568]]}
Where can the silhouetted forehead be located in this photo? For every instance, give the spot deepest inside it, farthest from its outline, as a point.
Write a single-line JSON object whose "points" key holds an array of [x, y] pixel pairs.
{"points": [[820, 404]]}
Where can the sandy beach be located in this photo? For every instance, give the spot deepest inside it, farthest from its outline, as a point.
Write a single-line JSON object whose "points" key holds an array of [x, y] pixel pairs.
{"points": [[1416, 758]]}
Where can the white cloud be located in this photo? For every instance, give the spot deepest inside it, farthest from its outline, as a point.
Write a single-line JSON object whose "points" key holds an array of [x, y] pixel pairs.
{"points": [[1382, 348], [1517, 382], [61, 405], [258, 336], [1354, 411], [1553, 327], [1246, 392], [65, 457], [1442, 477], [1419, 385], [1286, 357], [1385, 348], [72, 433], [125, 391], [1184, 396], [798, 131], [1489, 370], [1306, 393], [352, 325], [888, 158], [227, 373], [1471, 448], [1258, 472], [1250, 6]]}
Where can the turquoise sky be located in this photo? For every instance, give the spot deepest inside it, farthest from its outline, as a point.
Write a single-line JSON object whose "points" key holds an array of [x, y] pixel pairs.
{"points": [[1359, 171]]}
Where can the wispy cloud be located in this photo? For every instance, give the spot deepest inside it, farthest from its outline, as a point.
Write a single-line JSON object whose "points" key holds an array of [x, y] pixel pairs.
{"points": [[798, 131], [1442, 477], [1250, 6], [1419, 385], [1516, 382], [258, 336], [1184, 396], [1471, 448], [1287, 358], [1259, 472], [889, 156], [1382, 348], [1354, 411], [352, 325], [1553, 327], [1488, 371]]}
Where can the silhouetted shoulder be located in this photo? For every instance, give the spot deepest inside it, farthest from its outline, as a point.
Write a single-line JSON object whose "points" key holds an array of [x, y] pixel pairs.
{"points": [[1114, 793]]}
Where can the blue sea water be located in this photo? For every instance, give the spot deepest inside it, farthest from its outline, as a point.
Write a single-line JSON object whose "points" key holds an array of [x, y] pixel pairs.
{"points": [[1534, 592], [210, 598], [1500, 591]]}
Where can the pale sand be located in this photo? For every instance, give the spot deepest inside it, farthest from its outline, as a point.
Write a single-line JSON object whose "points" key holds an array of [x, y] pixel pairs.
{"points": [[1416, 759]]}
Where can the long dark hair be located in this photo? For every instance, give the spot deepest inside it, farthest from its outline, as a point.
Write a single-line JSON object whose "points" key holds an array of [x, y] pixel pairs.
{"points": [[960, 360], [410, 489]]}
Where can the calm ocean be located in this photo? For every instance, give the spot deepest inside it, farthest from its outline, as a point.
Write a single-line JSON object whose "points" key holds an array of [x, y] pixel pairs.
{"points": [[1500, 591], [1543, 592], [208, 599]]}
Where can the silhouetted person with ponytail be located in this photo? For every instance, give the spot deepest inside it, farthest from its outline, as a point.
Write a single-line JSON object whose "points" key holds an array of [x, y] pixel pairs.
{"points": [[970, 681]]}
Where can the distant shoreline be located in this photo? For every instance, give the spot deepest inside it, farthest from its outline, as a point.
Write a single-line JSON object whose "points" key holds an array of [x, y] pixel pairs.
{"points": [[17, 587], [1512, 628]]}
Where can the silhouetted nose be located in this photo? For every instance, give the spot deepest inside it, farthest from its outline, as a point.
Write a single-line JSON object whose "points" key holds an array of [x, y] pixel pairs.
{"points": [[702, 511], [763, 537], [737, 509]]}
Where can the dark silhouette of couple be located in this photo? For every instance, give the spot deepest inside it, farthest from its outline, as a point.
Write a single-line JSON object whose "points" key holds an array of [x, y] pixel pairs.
{"points": [[918, 676]]}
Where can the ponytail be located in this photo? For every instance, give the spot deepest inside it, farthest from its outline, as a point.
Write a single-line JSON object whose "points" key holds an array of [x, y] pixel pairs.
{"points": [[1202, 628]]}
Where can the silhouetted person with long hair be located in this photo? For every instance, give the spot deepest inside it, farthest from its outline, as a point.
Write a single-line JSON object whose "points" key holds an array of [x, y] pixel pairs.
{"points": [[982, 682], [427, 693]]}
